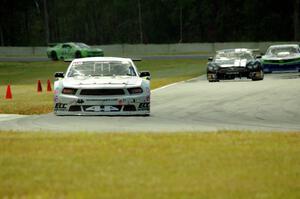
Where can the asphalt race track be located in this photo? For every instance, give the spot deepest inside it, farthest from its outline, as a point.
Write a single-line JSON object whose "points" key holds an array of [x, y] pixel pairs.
{"points": [[195, 105]]}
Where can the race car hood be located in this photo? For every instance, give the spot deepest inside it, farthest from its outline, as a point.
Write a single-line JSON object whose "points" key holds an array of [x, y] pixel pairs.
{"points": [[121, 81], [232, 63]]}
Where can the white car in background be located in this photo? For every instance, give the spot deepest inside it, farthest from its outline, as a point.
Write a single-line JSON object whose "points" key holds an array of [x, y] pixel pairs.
{"points": [[102, 86]]}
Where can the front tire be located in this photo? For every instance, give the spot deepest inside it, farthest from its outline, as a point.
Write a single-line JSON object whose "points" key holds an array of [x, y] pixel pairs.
{"points": [[261, 76], [210, 78], [78, 54], [54, 56]]}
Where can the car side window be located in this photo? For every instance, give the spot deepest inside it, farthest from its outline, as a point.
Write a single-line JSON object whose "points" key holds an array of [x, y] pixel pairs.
{"points": [[66, 46]]}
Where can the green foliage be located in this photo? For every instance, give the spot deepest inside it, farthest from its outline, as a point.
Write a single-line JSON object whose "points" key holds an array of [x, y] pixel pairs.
{"points": [[117, 21]]}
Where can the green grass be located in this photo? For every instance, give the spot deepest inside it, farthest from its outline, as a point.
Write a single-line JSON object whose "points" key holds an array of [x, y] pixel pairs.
{"points": [[233, 165], [23, 77]]}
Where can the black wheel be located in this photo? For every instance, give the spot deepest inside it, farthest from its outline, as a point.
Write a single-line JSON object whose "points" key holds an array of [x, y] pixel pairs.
{"points": [[54, 56], [261, 77], [78, 54], [211, 79]]}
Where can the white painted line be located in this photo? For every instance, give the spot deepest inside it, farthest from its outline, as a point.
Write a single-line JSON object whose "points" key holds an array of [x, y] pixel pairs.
{"points": [[7, 117], [173, 84]]}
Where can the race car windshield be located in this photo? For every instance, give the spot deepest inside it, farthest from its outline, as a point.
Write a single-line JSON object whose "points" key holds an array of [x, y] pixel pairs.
{"points": [[91, 68], [224, 57], [82, 45], [282, 51]]}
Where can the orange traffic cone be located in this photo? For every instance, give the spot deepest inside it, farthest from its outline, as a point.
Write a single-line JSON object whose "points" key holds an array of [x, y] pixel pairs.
{"points": [[49, 89], [8, 92], [39, 86]]}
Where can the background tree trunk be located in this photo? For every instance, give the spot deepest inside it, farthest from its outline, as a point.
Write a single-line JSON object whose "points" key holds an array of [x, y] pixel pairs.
{"points": [[1, 36], [140, 22], [296, 21], [180, 24], [46, 22]]}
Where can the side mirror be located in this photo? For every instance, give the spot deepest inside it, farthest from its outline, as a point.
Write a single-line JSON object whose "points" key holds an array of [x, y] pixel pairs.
{"points": [[59, 75], [258, 56], [210, 58], [145, 74]]}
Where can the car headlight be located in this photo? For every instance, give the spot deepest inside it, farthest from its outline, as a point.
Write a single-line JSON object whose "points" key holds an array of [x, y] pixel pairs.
{"points": [[213, 67], [69, 91], [137, 90], [210, 68]]}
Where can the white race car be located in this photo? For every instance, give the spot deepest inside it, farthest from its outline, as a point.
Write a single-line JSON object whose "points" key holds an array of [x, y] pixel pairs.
{"points": [[102, 86]]}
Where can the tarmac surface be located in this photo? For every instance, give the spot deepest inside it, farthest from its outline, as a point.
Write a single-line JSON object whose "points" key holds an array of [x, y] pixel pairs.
{"points": [[195, 105]]}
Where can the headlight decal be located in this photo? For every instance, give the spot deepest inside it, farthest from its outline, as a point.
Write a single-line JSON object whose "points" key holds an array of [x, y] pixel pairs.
{"points": [[69, 91], [137, 90]]}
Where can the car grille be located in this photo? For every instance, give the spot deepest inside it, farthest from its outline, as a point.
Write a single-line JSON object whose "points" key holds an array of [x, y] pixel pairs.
{"points": [[102, 92], [129, 108], [75, 108], [231, 69]]}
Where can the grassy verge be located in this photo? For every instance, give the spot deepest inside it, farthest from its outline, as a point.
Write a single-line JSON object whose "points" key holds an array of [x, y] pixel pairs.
{"points": [[180, 165], [24, 76]]}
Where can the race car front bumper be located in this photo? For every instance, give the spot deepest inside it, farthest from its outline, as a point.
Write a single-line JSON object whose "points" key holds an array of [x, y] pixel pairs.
{"points": [[125, 105]]}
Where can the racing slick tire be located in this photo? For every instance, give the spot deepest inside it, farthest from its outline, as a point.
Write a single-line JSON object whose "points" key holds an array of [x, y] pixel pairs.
{"points": [[213, 80], [261, 77], [78, 54], [54, 56], [210, 79]]}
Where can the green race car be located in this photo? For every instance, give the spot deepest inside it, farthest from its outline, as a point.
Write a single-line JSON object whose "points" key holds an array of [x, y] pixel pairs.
{"points": [[71, 50]]}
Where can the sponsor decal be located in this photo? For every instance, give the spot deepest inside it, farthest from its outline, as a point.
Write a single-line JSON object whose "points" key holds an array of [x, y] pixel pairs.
{"points": [[102, 100], [60, 107], [77, 63], [56, 99], [80, 101], [144, 107]]}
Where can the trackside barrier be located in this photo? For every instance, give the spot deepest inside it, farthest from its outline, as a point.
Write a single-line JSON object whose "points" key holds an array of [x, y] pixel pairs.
{"points": [[149, 49]]}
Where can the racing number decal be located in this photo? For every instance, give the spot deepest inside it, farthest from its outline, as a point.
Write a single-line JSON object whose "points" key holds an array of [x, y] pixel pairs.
{"points": [[101, 109]]}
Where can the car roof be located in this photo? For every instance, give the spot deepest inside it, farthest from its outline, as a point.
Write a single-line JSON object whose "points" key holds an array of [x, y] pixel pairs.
{"points": [[102, 59], [237, 50], [284, 45]]}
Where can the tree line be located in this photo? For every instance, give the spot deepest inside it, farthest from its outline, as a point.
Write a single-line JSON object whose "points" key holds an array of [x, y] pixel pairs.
{"points": [[38, 22]]}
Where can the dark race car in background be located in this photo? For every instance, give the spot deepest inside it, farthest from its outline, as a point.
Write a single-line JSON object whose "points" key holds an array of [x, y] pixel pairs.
{"points": [[282, 58], [234, 63]]}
